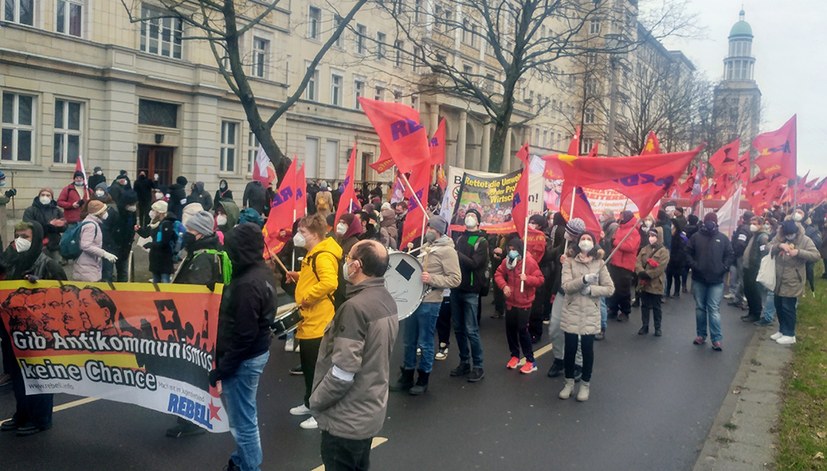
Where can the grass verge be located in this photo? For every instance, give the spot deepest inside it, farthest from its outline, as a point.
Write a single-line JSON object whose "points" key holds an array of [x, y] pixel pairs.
{"points": [[803, 422]]}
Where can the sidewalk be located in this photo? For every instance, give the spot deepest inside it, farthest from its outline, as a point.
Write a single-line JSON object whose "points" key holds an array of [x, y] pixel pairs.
{"points": [[743, 436]]}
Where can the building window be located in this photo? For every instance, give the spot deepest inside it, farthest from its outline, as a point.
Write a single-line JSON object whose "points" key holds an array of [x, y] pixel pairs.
{"points": [[359, 91], [380, 45], [337, 21], [586, 145], [312, 91], [161, 35], [467, 70], [17, 127], [361, 32], [336, 82], [379, 93], [68, 133], [415, 102], [311, 157], [417, 10], [229, 133], [397, 96], [19, 11], [70, 17], [398, 47], [252, 151], [156, 113], [261, 53], [594, 27], [588, 115], [314, 20], [331, 160]]}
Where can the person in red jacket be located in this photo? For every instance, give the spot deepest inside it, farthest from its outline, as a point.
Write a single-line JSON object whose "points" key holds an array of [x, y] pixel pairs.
{"points": [[509, 276], [622, 266], [72, 198]]}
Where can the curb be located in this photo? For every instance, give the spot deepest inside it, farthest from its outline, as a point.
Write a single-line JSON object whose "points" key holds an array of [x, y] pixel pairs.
{"points": [[743, 435]]}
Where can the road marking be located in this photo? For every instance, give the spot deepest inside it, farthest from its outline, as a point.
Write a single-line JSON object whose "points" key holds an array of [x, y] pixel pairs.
{"points": [[375, 443], [68, 405]]}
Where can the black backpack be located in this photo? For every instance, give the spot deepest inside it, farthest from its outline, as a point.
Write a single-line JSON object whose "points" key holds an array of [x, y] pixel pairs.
{"points": [[338, 296]]}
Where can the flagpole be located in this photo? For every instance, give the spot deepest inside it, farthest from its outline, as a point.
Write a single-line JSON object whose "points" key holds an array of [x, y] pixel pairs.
{"points": [[525, 250], [571, 215], [413, 193], [293, 257]]}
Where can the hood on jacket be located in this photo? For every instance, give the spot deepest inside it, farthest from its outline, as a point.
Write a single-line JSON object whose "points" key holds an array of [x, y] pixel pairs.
{"points": [[443, 241], [36, 203], [199, 187], [245, 246], [22, 262], [252, 216], [220, 182], [128, 197], [659, 231], [354, 226], [230, 208]]}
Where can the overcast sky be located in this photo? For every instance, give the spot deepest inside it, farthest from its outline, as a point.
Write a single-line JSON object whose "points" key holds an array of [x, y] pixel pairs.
{"points": [[790, 67]]}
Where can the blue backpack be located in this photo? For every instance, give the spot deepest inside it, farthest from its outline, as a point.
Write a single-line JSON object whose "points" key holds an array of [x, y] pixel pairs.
{"points": [[70, 241]]}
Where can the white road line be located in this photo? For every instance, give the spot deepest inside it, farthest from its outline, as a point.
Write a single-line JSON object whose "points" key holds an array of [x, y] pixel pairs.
{"points": [[375, 443], [68, 405]]}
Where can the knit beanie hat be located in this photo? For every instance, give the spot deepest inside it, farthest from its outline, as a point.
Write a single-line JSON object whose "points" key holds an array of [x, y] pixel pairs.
{"points": [[201, 222], [95, 207], [575, 227], [160, 206], [711, 217], [189, 211], [438, 224]]}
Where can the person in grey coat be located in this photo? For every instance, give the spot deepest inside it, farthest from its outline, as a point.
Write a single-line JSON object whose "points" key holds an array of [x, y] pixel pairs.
{"points": [[350, 385]]}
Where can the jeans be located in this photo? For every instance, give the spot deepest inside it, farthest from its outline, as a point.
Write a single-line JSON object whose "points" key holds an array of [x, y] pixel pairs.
{"points": [[707, 304], [342, 454], [308, 354], [464, 310], [418, 331], [736, 287], [516, 333], [239, 396], [574, 343], [604, 314], [768, 314], [161, 277], [786, 306]]}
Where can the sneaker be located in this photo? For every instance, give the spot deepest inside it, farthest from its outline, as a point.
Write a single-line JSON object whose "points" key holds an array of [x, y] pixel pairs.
{"points": [[546, 321], [28, 430], [529, 367], [231, 466], [513, 363], [9, 426], [289, 345], [461, 370], [441, 354], [476, 375], [600, 335], [776, 336], [786, 340], [762, 323], [622, 317], [300, 410], [699, 341], [309, 424], [497, 315], [296, 370], [729, 296], [717, 346]]}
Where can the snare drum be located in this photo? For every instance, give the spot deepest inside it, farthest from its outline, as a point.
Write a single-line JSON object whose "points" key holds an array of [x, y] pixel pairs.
{"points": [[287, 319], [403, 281]]}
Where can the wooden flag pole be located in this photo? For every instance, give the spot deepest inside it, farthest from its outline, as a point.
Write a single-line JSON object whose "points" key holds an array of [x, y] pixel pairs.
{"points": [[571, 215], [416, 198], [525, 249]]}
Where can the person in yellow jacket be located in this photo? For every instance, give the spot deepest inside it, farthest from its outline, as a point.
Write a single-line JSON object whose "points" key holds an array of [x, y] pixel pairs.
{"points": [[315, 285]]}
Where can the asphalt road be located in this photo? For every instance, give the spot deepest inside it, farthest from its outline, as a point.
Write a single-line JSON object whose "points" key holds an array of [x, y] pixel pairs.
{"points": [[652, 404]]}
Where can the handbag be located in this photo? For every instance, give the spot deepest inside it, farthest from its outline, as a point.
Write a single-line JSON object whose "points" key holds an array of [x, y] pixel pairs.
{"points": [[766, 272]]}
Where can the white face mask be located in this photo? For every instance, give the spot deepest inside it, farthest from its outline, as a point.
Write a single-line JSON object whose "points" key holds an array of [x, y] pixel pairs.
{"points": [[346, 270], [78, 183], [99, 172], [221, 219], [797, 217], [532, 226], [586, 246], [104, 216], [99, 193], [299, 240], [470, 221], [44, 200], [753, 228], [341, 229], [152, 214], [131, 208], [22, 245]]}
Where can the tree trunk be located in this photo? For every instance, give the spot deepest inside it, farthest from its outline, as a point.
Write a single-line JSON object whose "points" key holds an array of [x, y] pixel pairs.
{"points": [[497, 152]]}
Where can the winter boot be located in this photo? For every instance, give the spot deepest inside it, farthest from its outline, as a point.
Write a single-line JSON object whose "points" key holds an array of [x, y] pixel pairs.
{"points": [[421, 384], [405, 381], [583, 392], [556, 368], [461, 370], [565, 393]]}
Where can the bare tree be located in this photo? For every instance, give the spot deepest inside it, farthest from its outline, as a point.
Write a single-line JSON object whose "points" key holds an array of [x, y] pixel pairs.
{"points": [[222, 24], [518, 39]]}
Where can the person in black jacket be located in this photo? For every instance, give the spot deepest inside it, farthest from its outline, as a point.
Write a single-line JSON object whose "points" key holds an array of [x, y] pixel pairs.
{"points": [[24, 260], [540, 313], [222, 193], [740, 239], [49, 216], [710, 255], [690, 230], [178, 196], [248, 305], [677, 262], [143, 188], [97, 178], [199, 195], [122, 225], [162, 237], [120, 185], [472, 249], [757, 248], [255, 197]]}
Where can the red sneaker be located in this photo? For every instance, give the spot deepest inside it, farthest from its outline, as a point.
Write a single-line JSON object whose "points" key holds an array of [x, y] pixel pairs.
{"points": [[529, 367], [699, 341], [512, 363]]}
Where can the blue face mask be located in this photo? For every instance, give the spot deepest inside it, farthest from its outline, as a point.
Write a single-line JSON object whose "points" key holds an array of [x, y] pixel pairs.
{"points": [[513, 254]]}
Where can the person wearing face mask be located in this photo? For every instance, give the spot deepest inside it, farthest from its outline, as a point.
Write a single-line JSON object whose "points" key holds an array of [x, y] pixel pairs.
{"points": [[122, 221], [388, 224], [677, 262], [651, 268], [89, 264], [226, 215], [757, 248], [144, 188], [24, 259], [440, 265], [740, 239], [622, 266], [472, 253], [96, 178], [44, 211], [72, 198], [509, 277], [101, 194], [350, 385], [347, 231], [792, 249], [811, 231], [162, 235], [222, 193], [120, 185], [316, 285], [585, 280], [709, 255], [199, 195]]}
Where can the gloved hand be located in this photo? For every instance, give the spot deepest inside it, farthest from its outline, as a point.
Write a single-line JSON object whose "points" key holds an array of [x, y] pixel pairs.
{"points": [[643, 275], [652, 263], [110, 257], [586, 290], [214, 377], [11, 193], [591, 278]]}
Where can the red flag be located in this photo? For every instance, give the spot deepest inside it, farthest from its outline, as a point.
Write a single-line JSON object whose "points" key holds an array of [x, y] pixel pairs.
{"points": [[301, 196], [437, 144], [79, 168], [412, 228], [777, 150], [593, 151], [652, 145], [348, 192], [685, 189], [582, 209], [574, 145], [722, 189], [262, 171], [552, 170], [743, 172], [519, 210], [282, 213], [384, 163], [725, 159], [644, 179], [399, 129]]}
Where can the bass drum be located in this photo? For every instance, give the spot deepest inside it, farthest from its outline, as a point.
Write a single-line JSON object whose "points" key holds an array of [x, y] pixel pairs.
{"points": [[403, 281]]}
